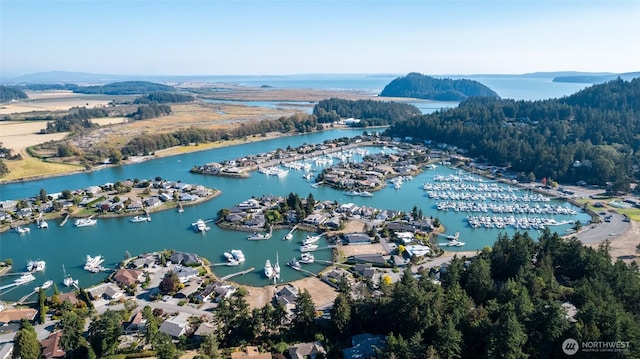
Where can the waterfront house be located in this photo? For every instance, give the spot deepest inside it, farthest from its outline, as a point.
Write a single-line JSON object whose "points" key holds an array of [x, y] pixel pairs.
{"points": [[176, 326], [152, 202], [183, 258], [51, 348], [185, 273], [190, 287], [306, 350], [128, 277], [287, 295]]}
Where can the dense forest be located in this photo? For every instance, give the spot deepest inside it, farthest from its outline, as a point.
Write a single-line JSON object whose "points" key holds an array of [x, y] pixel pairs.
{"points": [[416, 85], [124, 88], [152, 110], [148, 143], [164, 97], [47, 87], [9, 93], [596, 78], [369, 112], [78, 119], [593, 135]]}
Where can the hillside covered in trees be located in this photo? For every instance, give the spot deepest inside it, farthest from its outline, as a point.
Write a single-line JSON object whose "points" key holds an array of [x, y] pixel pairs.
{"points": [[370, 112], [9, 93], [164, 97], [416, 85], [593, 135], [124, 88]]}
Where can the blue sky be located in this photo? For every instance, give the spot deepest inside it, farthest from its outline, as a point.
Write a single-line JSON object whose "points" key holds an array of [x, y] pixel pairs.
{"points": [[167, 37]]}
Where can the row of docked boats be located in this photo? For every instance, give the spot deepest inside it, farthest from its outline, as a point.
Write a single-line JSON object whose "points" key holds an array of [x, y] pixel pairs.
{"points": [[516, 208], [512, 221], [256, 236], [274, 171], [36, 266], [94, 264]]}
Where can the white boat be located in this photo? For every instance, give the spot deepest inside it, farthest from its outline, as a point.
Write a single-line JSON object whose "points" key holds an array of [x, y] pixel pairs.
{"points": [[25, 278], [180, 209], [232, 262], [255, 236], [68, 280], [200, 226], [229, 256], [22, 230], [455, 243], [357, 192], [276, 268], [308, 248], [43, 225], [288, 236], [137, 219], [46, 285], [238, 255], [268, 269], [454, 237], [85, 222], [93, 264], [36, 266], [311, 240], [307, 176], [307, 258], [294, 264]]}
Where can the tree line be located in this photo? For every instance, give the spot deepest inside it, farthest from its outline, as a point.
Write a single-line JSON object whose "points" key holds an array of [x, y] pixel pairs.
{"points": [[416, 85], [163, 97], [124, 88], [9, 93], [151, 142], [370, 112], [592, 135]]}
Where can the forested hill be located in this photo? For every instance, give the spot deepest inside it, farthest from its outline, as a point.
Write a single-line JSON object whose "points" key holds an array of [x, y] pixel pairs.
{"points": [[9, 93], [416, 85], [124, 88], [591, 135]]}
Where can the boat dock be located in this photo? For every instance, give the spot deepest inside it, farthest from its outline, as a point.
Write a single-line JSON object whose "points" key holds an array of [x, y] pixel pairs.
{"points": [[227, 277], [64, 221], [24, 299]]}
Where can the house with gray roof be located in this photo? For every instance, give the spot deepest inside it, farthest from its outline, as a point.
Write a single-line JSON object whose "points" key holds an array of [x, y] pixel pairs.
{"points": [[176, 326], [184, 258]]}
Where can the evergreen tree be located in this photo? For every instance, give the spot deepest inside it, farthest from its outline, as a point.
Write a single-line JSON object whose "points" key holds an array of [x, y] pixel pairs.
{"points": [[304, 316], [72, 327], [341, 316], [25, 343]]}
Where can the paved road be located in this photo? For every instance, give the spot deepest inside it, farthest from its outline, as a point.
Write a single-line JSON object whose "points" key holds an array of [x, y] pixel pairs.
{"points": [[597, 233]]}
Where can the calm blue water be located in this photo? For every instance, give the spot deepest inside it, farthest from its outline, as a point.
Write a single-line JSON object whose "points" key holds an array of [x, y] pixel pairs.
{"points": [[170, 230]]}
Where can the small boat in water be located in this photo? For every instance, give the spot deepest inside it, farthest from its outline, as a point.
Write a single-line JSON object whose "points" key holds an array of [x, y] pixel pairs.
{"points": [[137, 219], [294, 264], [200, 226], [85, 222], [307, 258], [268, 269], [22, 230], [311, 239], [46, 285], [308, 247], [25, 278], [36, 266]]}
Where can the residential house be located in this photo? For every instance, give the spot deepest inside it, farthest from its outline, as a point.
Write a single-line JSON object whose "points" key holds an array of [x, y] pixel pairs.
{"points": [[176, 326], [128, 277], [306, 350], [184, 258], [136, 325], [111, 293], [17, 314], [357, 238], [152, 202], [185, 273], [51, 346], [287, 295], [190, 287]]}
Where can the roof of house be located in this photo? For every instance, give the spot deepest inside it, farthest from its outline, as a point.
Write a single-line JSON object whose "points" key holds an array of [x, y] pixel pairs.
{"points": [[302, 350], [127, 277], [184, 258], [17, 314], [51, 346], [175, 326]]}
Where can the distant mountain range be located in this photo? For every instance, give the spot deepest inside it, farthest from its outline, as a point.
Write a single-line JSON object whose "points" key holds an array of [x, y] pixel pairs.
{"points": [[86, 78]]}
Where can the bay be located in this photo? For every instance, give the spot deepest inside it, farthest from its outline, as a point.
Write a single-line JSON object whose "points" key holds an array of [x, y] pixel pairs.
{"points": [[111, 238]]}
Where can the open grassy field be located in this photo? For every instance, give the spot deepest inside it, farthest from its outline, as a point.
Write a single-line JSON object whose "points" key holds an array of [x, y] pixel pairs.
{"points": [[55, 101]]}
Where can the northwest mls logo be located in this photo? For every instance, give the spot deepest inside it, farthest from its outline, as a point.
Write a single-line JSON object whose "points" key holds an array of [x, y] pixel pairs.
{"points": [[570, 346]]}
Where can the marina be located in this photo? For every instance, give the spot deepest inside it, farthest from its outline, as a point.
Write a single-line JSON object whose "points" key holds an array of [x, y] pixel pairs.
{"points": [[169, 226]]}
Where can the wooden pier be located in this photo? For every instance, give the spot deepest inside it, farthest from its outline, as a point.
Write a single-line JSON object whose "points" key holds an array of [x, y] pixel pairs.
{"points": [[64, 221], [227, 277]]}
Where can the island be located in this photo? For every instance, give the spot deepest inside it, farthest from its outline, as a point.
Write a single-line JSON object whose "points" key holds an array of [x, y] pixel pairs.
{"points": [[420, 86]]}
